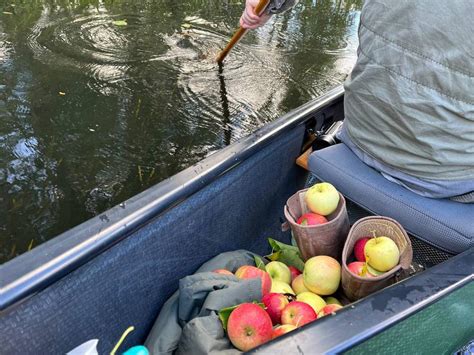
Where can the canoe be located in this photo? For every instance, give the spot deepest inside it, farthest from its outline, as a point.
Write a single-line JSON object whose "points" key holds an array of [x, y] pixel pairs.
{"points": [[117, 269]]}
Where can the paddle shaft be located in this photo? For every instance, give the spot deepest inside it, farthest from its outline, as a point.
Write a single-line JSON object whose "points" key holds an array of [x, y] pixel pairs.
{"points": [[240, 32]]}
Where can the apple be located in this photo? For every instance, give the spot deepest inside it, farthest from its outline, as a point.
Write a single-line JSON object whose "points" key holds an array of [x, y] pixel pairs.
{"points": [[294, 272], [359, 248], [223, 272], [322, 275], [330, 308], [315, 301], [278, 271], [382, 253], [282, 329], [311, 219], [252, 272], [332, 300], [322, 198], [357, 268], [249, 326], [372, 271], [274, 304], [281, 287], [298, 314], [298, 285]]}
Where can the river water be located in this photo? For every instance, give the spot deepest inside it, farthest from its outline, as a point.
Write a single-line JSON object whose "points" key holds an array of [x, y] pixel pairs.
{"points": [[99, 100]]}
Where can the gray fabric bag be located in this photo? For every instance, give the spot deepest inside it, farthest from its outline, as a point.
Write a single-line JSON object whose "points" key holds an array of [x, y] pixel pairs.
{"points": [[188, 322]]}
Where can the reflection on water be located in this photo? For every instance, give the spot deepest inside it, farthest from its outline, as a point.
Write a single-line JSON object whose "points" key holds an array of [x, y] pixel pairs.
{"points": [[101, 99]]}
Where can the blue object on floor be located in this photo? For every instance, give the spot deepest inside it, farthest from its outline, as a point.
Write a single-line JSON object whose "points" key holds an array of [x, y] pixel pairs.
{"points": [[445, 224]]}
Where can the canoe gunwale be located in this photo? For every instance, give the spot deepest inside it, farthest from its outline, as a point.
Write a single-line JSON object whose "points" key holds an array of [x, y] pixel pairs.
{"points": [[377, 312], [37, 269]]}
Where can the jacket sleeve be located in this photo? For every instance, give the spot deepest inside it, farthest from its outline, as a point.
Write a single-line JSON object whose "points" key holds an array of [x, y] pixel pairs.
{"points": [[279, 6]]}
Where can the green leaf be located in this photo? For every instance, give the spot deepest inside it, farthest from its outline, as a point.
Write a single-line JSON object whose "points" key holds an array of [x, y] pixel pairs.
{"points": [[259, 262], [287, 254], [224, 313], [120, 23]]}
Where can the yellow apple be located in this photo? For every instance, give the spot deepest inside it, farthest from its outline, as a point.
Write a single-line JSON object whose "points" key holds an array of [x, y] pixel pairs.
{"points": [[322, 198], [298, 285], [332, 300], [382, 253], [322, 275], [281, 287], [279, 271], [312, 299]]}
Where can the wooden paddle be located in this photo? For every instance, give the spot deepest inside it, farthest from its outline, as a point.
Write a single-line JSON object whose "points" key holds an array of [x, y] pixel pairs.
{"points": [[259, 9]]}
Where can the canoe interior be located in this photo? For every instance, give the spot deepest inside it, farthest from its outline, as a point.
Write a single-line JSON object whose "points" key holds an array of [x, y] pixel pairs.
{"points": [[128, 282]]}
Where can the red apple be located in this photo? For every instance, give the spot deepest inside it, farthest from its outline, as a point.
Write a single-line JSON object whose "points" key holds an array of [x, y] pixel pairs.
{"points": [[282, 329], [298, 314], [252, 272], [359, 248], [356, 267], [223, 272], [249, 326], [330, 308], [294, 272], [311, 219], [359, 268], [275, 303]]}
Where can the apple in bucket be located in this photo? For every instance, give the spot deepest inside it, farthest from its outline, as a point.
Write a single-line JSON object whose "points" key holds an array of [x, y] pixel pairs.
{"points": [[359, 247], [223, 272], [249, 326], [311, 219], [382, 253], [322, 275], [298, 314], [322, 198], [274, 305], [252, 272], [278, 271], [359, 268]]}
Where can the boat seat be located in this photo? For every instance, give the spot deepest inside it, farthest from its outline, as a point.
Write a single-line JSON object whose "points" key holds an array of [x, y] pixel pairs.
{"points": [[443, 223]]}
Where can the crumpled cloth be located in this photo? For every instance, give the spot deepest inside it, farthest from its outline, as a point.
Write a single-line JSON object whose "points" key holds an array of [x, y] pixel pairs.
{"points": [[188, 322]]}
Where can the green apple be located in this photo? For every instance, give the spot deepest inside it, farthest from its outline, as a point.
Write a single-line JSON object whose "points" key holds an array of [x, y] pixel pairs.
{"points": [[312, 299], [279, 271], [322, 198], [332, 300], [373, 272], [298, 285], [322, 275], [382, 253], [281, 287]]}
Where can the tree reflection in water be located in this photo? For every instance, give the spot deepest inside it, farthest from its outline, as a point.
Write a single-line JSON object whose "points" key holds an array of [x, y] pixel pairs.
{"points": [[92, 113]]}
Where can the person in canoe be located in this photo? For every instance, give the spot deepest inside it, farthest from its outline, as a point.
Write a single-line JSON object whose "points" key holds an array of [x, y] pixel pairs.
{"points": [[409, 101]]}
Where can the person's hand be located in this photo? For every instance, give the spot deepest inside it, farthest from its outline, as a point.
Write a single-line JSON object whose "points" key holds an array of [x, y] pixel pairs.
{"points": [[250, 20]]}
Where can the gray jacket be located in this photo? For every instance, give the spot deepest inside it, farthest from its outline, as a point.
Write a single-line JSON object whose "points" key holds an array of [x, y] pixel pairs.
{"points": [[410, 98]]}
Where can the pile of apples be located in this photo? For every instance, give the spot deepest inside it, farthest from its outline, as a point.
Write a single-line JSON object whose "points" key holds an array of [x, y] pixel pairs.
{"points": [[290, 300], [322, 200], [375, 256]]}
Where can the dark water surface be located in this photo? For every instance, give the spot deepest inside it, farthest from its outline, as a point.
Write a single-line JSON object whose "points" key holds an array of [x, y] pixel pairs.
{"points": [[93, 111]]}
